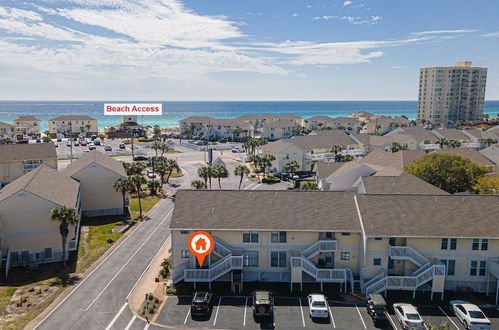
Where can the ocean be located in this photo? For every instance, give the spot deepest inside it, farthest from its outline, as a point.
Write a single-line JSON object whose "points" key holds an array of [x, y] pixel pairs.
{"points": [[174, 111]]}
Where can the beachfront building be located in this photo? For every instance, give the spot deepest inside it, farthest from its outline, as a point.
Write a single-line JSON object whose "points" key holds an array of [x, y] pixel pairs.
{"points": [[212, 128], [7, 132], [28, 236], [449, 94], [128, 127], [380, 242], [72, 125], [279, 129], [96, 173], [18, 159], [27, 126], [361, 115]]}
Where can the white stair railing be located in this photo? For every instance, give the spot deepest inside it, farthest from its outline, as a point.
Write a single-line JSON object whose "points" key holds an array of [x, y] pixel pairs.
{"points": [[178, 273], [320, 274], [320, 246], [406, 252], [220, 249]]}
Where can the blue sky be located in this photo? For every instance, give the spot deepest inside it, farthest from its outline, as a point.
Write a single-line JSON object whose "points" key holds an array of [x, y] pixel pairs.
{"points": [[238, 50]]}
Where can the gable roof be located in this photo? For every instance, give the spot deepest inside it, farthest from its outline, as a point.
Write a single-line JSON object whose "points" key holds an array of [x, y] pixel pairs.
{"points": [[277, 146], [265, 210], [16, 152], [27, 118], [76, 117], [96, 157], [46, 183], [430, 215], [419, 133], [469, 153], [451, 134], [404, 183], [398, 159], [281, 122], [325, 169], [6, 125], [345, 168], [311, 142], [388, 171]]}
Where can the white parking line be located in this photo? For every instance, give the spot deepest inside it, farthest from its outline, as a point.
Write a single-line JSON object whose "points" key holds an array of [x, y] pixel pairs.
{"points": [[360, 315], [250, 185], [332, 318], [116, 316], [302, 317], [258, 185], [130, 323], [448, 317], [147, 326], [187, 316], [129, 259], [245, 308], [391, 321], [218, 307]]}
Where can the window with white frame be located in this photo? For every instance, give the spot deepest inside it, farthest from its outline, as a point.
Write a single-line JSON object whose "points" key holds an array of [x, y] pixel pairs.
{"points": [[450, 266], [480, 244], [184, 232], [345, 255], [478, 267], [250, 258], [278, 237], [250, 237], [345, 234], [278, 259], [377, 262], [184, 254], [448, 244]]}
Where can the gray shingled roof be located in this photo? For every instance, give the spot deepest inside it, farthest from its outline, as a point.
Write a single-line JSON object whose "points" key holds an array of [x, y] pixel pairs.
{"points": [[265, 210], [398, 159], [27, 118], [452, 134], [96, 157], [430, 216], [32, 151], [469, 153], [404, 183], [72, 118], [310, 142], [46, 183]]}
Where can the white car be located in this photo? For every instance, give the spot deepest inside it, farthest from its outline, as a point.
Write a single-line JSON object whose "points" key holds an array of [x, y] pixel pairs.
{"points": [[408, 316], [471, 316], [318, 305]]}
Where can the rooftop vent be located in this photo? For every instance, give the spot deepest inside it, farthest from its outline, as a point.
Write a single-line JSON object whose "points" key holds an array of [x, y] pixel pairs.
{"points": [[404, 216], [338, 216], [436, 199], [276, 195], [316, 212], [251, 194], [372, 227], [213, 210]]}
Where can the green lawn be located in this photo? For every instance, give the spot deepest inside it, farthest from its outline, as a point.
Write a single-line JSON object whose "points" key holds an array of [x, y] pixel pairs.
{"points": [[147, 203]]}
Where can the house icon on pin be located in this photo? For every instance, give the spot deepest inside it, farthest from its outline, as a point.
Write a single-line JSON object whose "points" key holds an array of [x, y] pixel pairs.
{"points": [[200, 244]]}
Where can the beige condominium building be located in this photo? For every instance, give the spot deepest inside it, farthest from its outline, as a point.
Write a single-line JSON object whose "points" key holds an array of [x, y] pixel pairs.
{"points": [[74, 125], [363, 243], [27, 234], [27, 126], [18, 159], [7, 131], [452, 93]]}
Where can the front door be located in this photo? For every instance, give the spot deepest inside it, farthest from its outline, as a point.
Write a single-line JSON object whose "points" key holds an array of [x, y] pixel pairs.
{"points": [[329, 260], [391, 266]]}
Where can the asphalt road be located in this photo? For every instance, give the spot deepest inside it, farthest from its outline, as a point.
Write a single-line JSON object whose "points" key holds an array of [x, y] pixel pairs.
{"points": [[98, 299]]}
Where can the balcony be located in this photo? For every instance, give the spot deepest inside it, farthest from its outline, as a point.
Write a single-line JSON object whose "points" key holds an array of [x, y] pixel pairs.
{"points": [[429, 146]]}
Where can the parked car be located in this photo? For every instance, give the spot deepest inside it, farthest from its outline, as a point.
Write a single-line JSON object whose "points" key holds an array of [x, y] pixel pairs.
{"points": [[202, 303], [83, 143], [38, 140], [97, 142], [108, 148], [59, 140], [68, 144], [470, 315], [122, 146], [318, 305], [263, 304], [22, 142], [91, 147], [376, 308], [140, 158], [93, 137], [408, 316], [150, 174], [76, 144], [85, 151]]}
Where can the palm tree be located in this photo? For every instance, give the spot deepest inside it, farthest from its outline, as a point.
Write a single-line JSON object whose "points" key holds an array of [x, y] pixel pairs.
{"points": [[160, 167], [336, 149], [454, 143], [397, 147], [309, 186], [220, 173], [153, 187], [171, 164], [241, 171], [442, 142], [66, 216], [488, 141], [266, 161], [204, 173], [291, 166], [123, 186], [257, 161], [136, 182], [198, 185]]}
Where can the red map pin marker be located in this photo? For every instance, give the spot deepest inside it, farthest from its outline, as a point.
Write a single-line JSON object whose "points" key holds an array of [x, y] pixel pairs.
{"points": [[201, 244]]}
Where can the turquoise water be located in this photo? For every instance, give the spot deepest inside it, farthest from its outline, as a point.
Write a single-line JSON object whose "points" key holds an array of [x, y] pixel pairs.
{"points": [[174, 111]]}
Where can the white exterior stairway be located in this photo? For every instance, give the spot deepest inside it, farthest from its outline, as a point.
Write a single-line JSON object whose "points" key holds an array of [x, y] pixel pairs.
{"points": [[425, 273], [304, 264]]}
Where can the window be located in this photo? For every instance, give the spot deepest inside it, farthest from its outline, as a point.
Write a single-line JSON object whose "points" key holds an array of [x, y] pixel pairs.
{"points": [[378, 238], [450, 267], [329, 235], [278, 237], [278, 259], [250, 237], [481, 244], [184, 232], [250, 258], [184, 254], [478, 267], [345, 234], [345, 255], [448, 244], [377, 262]]}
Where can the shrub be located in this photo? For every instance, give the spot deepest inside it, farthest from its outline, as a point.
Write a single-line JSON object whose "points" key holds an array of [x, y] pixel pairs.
{"points": [[171, 290], [150, 297]]}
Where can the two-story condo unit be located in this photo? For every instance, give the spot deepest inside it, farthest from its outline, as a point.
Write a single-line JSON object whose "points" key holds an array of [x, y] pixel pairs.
{"points": [[27, 234], [203, 126], [7, 132], [371, 242], [72, 125], [426, 140], [18, 159], [27, 126]]}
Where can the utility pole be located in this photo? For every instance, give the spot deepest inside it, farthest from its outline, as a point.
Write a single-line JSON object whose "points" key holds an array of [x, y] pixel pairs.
{"points": [[71, 142]]}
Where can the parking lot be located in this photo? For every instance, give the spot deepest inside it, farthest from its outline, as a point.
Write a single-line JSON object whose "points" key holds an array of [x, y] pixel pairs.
{"points": [[63, 151], [293, 313]]}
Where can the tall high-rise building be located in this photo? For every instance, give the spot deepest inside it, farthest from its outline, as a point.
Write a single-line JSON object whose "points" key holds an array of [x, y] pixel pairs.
{"points": [[452, 93]]}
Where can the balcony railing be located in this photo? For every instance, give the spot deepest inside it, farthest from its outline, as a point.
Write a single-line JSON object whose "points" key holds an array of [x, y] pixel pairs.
{"points": [[320, 246], [406, 252], [430, 146]]}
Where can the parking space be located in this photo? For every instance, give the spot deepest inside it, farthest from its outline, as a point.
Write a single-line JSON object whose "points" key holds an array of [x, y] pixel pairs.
{"points": [[434, 315], [493, 315]]}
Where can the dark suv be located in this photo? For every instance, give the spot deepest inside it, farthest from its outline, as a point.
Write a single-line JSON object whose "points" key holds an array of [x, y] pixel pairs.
{"points": [[202, 303], [376, 307], [263, 304]]}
